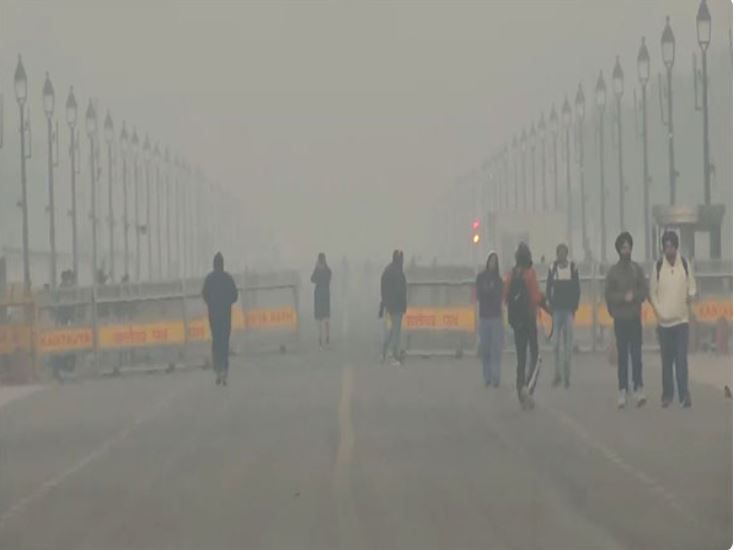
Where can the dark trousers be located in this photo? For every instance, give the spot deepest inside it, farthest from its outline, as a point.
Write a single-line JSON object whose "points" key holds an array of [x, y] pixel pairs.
{"points": [[674, 350], [526, 337], [629, 345], [220, 346]]}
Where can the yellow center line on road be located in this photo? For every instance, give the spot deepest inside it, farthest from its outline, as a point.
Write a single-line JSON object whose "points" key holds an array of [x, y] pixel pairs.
{"points": [[346, 513]]}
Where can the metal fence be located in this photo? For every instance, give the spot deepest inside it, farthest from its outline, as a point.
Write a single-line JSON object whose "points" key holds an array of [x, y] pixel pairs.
{"points": [[162, 324]]}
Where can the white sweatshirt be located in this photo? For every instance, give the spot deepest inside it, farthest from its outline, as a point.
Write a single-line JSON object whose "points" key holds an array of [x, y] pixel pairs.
{"points": [[671, 291]]}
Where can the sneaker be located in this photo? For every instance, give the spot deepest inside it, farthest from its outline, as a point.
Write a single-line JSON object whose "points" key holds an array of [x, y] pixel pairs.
{"points": [[396, 363], [523, 396], [622, 399], [665, 403], [530, 402], [686, 403], [640, 398]]}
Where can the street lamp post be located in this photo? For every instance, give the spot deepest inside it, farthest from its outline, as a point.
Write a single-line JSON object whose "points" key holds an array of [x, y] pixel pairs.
{"points": [[601, 101], [523, 148], [21, 94], [517, 180], [541, 131], [167, 159], [580, 114], [91, 119], [533, 190], [553, 120], [158, 219], [147, 153], [109, 132], [71, 116], [643, 73], [506, 165], [667, 42], [134, 143], [125, 219], [566, 116], [48, 107], [618, 85], [703, 28]]}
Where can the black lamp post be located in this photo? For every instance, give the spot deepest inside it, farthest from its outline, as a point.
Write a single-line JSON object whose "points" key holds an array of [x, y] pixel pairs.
{"points": [[135, 149], [125, 218], [21, 95], [71, 117], [643, 73], [167, 182], [533, 190], [158, 218], [667, 43], [91, 120], [553, 121], [109, 132], [517, 180], [147, 154], [49, 100], [580, 115], [541, 133], [566, 117], [601, 101], [703, 28], [523, 149], [618, 86]]}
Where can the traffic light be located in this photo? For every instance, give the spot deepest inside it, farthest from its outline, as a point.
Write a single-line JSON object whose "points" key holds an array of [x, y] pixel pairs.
{"points": [[475, 231]]}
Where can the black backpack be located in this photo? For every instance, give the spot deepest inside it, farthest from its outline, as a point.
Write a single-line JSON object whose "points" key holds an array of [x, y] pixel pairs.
{"points": [[518, 301]]}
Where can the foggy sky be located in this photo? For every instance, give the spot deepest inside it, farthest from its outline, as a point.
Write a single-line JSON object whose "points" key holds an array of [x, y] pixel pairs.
{"points": [[339, 124]]}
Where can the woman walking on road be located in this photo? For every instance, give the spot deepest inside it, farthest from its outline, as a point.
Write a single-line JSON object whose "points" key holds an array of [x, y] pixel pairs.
{"points": [[321, 277], [491, 325]]}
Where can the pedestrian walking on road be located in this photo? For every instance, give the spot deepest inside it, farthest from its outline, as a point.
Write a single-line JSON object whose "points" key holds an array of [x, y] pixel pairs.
{"points": [[394, 294], [220, 293], [625, 291], [321, 277], [672, 288], [523, 298], [491, 324], [563, 292]]}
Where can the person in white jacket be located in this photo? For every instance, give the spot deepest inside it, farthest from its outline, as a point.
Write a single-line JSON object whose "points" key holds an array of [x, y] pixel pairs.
{"points": [[672, 288]]}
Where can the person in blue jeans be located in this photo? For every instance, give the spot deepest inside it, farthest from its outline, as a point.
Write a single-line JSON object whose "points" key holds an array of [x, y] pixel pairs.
{"points": [[491, 324], [394, 293], [672, 288], [563, 292]]}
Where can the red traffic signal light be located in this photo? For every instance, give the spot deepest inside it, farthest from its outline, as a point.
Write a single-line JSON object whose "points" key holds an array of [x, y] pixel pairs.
{"points": [[475, 224]]}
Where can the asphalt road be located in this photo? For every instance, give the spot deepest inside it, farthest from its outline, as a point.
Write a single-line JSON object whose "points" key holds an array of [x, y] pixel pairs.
{"points": [[331, 450]]}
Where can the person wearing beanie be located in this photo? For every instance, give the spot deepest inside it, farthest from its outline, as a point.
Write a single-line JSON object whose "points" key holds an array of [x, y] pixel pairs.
{"points": [[625, 291], [672, 287]]}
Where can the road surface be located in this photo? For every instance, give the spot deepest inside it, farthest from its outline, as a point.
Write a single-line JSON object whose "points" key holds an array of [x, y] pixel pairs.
{"points": [[331, 450]]}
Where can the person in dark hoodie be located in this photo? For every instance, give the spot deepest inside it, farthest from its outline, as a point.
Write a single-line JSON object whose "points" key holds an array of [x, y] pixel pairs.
{"points": [[625, 291], [220, 293], [321, 278], [563, 291], [491, 324], [394, 293], [523, 298]]}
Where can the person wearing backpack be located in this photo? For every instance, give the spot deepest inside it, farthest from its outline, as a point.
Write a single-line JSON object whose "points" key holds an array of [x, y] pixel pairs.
{"points": [[563, 291], [523, 297], [490, 288], [672, 288], [625, 291]]}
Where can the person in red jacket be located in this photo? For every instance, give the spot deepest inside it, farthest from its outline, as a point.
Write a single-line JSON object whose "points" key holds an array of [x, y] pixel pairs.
{"points": [[523, 298]]}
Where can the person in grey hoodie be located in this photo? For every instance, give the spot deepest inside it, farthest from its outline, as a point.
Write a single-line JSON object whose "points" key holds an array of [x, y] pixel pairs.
{"points": [[625, 291], [490, 287]]}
